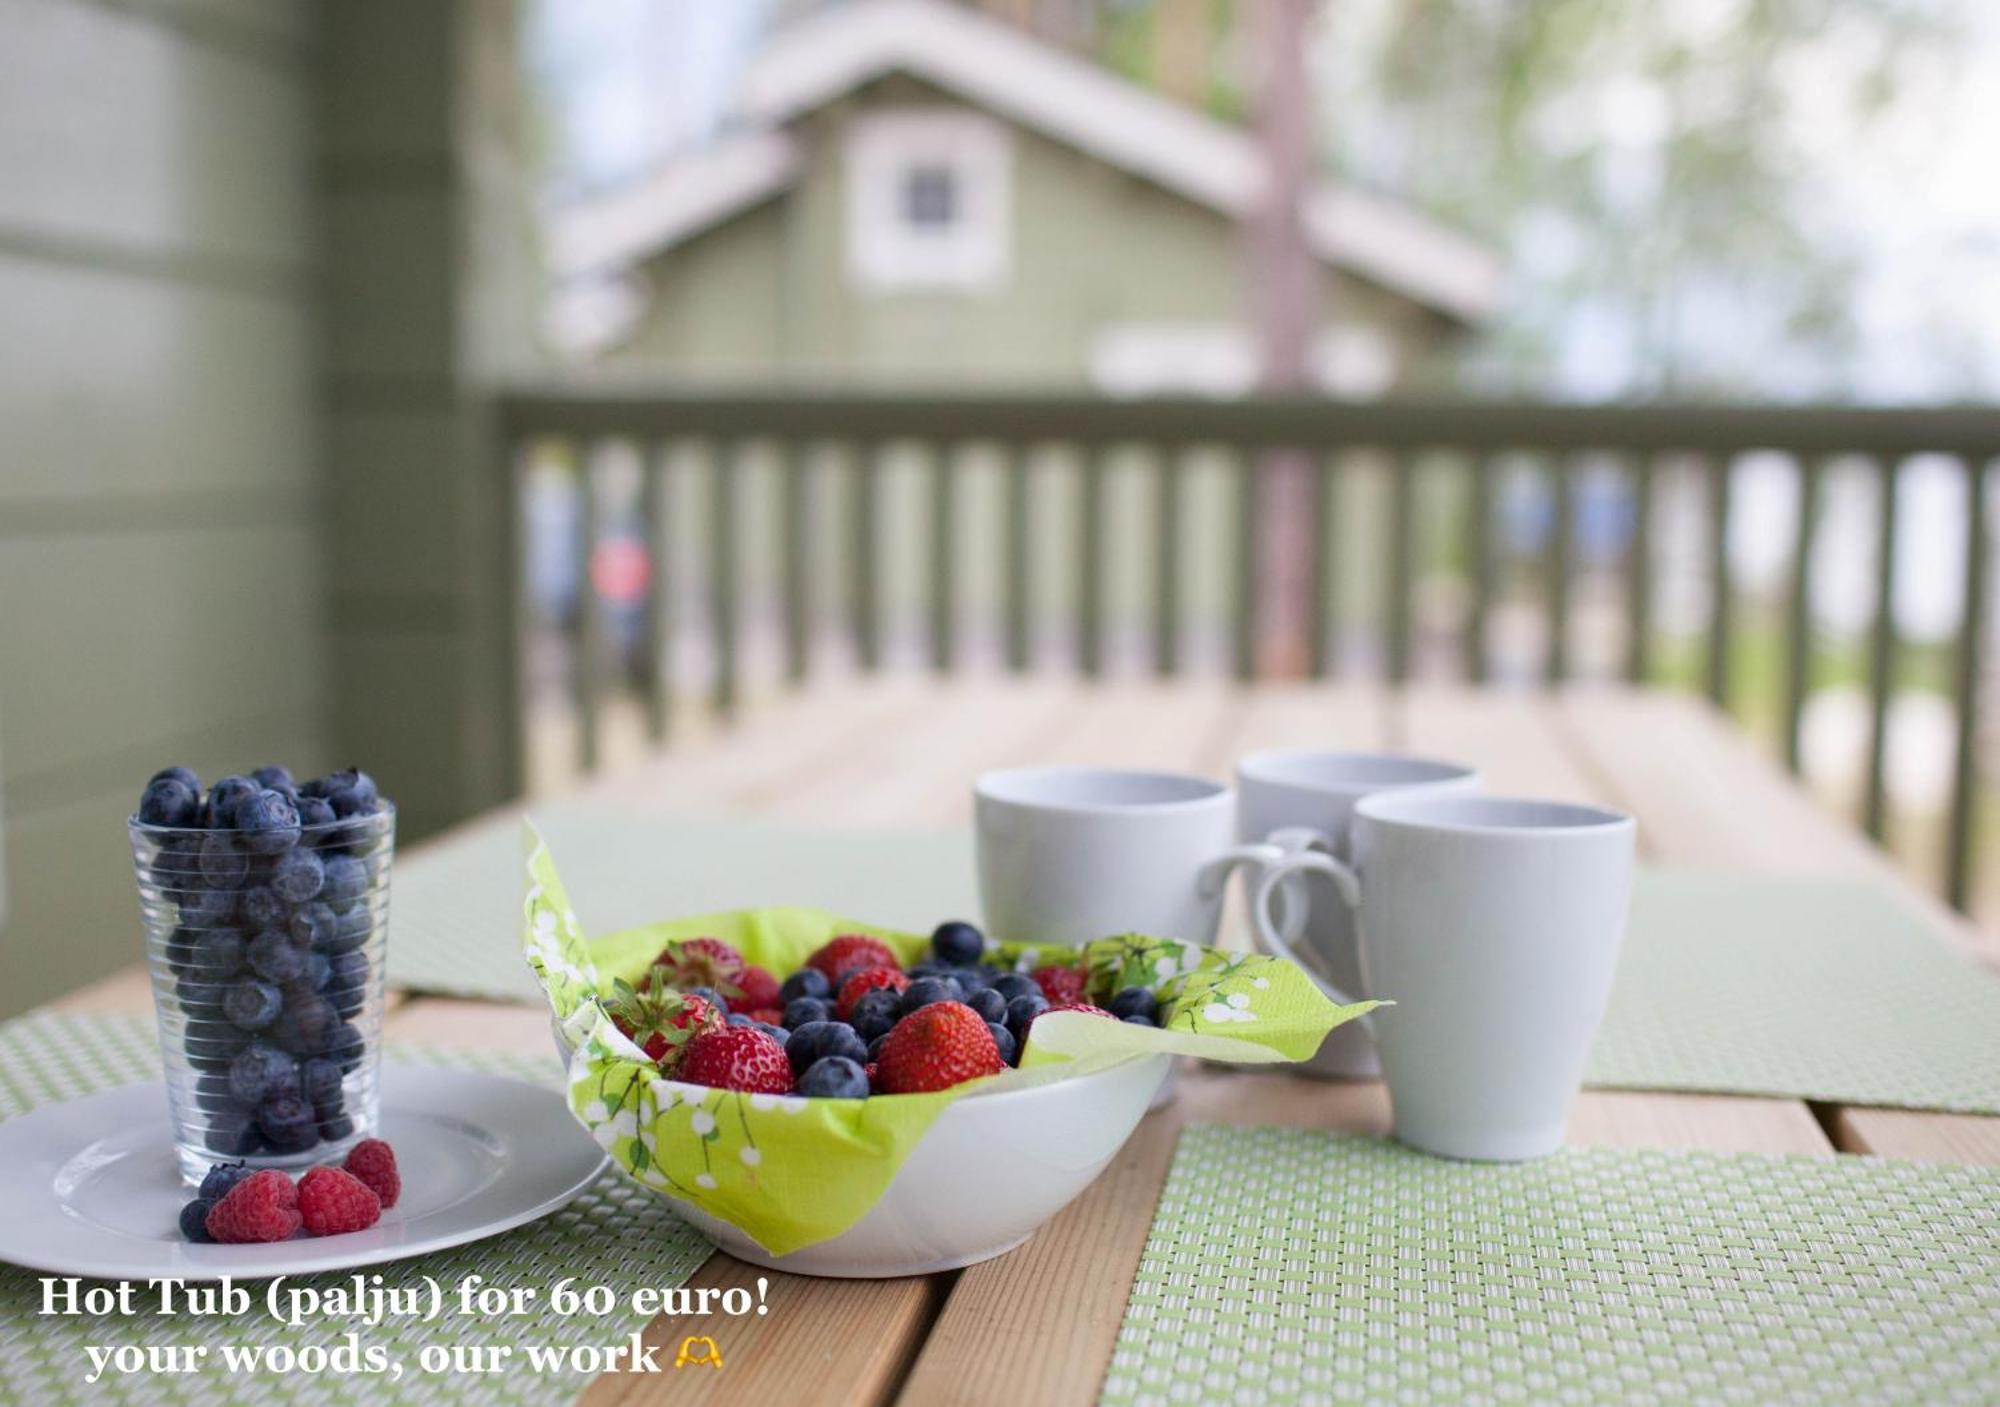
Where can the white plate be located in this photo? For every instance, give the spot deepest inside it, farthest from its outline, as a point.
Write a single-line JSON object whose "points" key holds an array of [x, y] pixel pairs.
{"points": [[92, 1187]]}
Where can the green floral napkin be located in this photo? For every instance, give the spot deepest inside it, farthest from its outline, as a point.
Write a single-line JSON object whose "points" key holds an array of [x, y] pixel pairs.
{"points": [[791, 1172]]}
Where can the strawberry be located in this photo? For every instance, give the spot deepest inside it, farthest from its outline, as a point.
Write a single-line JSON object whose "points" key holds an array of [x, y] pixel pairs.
{"points": [[1060, 984], [662, 1022], [848, 951], [374, 1162], [936, 1047], [697, 962], [262, 1207], [737, 1057], [1094, 1010], [333, 1202], [769, 1015], [867, 980], [756, 990]]}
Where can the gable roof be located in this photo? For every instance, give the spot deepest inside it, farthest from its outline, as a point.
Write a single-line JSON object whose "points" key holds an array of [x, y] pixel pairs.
{"points": [[1046, 90]]}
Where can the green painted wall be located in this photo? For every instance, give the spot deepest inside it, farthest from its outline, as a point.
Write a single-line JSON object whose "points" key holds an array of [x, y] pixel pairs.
{"points": [[160, 557]]}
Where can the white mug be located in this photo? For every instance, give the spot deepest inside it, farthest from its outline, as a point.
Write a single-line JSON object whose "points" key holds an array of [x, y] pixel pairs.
{"points": [[1068, 855], [1301, 799], [1493, 924]]}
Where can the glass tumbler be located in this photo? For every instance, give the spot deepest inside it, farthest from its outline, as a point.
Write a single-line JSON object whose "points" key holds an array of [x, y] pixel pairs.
{"points": [[266, 960]]}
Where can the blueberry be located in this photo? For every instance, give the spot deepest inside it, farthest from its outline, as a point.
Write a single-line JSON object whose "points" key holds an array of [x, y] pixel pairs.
{"points": [[807, 982], [258, 1072], [957, 943], [214, 1046], [307, 1025], [319, 971], [926, 990], [990, 1005], [344, 1047], [876, 1012], [276, 956], [217, 955], [212, 1092], [223, 799], [299, 875], [816, 1040], [252, 1005], [970, 979], [169, 802], [223, 865], [1016, 984], [184, 775], [1025, 1009], [333, 1125], [350, 930], [1137, 1020], [875, 1047], [923, 969], [800, 1010], [177, 860], [346, 881], [276, 778], [194, 1220], [220, 1179], [834, 1077], [208, 908], [233, 1133], [1004, 1039], [315, 925], [350, 779], [261, 908], [1128, 1002], [319, 1081], [347, 982], [777, 1033], [288, 1123], [315, 814], [738, 1018], [268, 823]]}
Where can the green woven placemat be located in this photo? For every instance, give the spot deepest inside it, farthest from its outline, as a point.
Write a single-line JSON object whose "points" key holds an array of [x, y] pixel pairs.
{"points": [[1811, 988], [455, 910], [1290, 1265], [615, 1234]]}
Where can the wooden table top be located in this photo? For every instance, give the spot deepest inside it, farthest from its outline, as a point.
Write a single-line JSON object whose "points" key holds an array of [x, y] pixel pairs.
{"points": [[1037, 1325]]}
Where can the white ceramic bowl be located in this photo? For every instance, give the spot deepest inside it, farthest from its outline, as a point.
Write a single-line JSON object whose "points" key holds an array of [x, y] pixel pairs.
{"points": [[982, 1179]]}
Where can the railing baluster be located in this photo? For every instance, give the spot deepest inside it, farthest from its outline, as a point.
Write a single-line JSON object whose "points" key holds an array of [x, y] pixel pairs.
{"points": [[656, 634], [1243, 638], [513, 547], [1882, 655], [1092, 563], [727, 467], [1320, 614], [1480, 565], [1961, 837], [1562, 483], [1798, 639], [1639, 573], [797, 564], [1720, 621], [944, 559], [1017, 549], [1171, 474], [588, 638], [1402, 514], [866, 564]]}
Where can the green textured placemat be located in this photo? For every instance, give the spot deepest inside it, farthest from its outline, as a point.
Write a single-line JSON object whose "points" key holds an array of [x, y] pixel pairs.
{"points": [[455, 909], [615, 1234], [1824, 989], [1291, 1265]]}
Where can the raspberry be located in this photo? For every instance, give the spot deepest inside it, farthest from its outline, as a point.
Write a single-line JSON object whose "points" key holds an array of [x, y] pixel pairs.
{"points": [[332, 1203], [374, 1162], [848, 951], [262, 1207], [1060, 984], [868, 979], [936, 1047], [740, 1058], [757, 990]]}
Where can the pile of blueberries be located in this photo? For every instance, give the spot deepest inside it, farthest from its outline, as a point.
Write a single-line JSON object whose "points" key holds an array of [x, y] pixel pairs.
{"points": [[264, 891], [1008, 1001]]}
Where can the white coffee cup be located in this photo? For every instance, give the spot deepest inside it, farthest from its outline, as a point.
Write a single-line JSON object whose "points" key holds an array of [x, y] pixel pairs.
{"points": [[1301, 799], [1493, 924], [1068, 855]]}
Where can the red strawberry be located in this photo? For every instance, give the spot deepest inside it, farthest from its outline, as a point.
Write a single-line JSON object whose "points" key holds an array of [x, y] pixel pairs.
{"points": [[757, 989], [936, 1047], [697, 962], [333, 1202], [769, 1015], [866, 980], [1094, 1010], [262, 1207], [1060, 984], [661, 1022], [850, 950], [737, 1057], [374, 1162], [873, 1071]]}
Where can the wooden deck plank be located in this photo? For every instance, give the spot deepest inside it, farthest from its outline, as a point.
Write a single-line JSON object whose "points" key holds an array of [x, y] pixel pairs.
{"points": [[1513, 739], [1910, 1133]]}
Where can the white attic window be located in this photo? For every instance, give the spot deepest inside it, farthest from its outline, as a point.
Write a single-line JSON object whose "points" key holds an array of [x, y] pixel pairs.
{"points": [[929, 200]]}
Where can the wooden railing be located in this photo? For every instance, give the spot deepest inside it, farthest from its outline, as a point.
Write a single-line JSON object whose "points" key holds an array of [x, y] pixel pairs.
{"points": [[1476, 436]]}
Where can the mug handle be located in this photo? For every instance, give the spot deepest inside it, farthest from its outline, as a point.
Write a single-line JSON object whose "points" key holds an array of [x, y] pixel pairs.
{"points": [[1272, 938]]}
